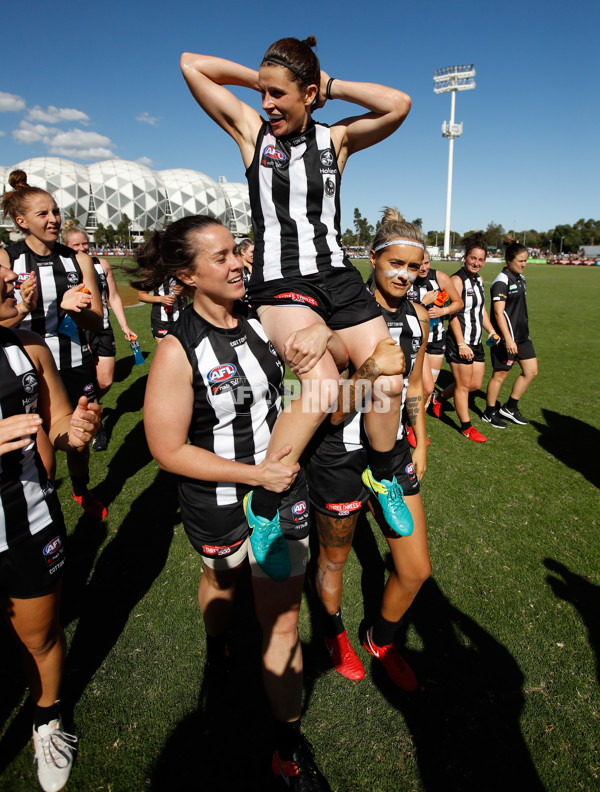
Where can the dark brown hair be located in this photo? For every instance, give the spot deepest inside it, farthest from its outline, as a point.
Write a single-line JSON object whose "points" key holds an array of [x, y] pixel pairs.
{"points": [[298, 57], [512, 248], [476, 240], [14, 203]]}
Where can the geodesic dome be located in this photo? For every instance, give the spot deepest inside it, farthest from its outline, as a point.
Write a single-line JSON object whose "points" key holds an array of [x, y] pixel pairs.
{"points": [[66, 181], [191, 193], [121, 187], [240, 206]]}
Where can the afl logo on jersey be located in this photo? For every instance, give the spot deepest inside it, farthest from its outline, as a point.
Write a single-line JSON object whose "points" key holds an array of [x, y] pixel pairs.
{"points": [[273, 156], [52, 546], [299, 508], [410, 469], [222, 373], [326, 158], [30, 383]]}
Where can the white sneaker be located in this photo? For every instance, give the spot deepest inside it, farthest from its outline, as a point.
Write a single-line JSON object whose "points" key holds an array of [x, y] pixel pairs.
{"points": [[54, 755]]}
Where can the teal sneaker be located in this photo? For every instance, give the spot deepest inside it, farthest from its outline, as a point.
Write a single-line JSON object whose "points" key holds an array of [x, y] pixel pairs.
{"points": [[391, 499], [268, 543]]}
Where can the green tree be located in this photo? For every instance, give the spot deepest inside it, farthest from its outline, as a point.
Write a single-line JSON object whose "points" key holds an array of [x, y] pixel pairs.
{"points": [[494, 234], [364, 229], [71, 216], [122, 230], [100, 235], [5, 236], [110, 236], [348, 238]]}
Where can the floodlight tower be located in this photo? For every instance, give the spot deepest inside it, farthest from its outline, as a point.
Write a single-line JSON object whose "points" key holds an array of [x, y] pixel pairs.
{"points": [[453, 79]]}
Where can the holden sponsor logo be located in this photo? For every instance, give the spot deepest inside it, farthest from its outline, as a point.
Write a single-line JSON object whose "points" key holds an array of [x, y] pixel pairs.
{"points": [[296, 297], [72, 279], [52, 546], [299, 508], [222, 373], [326, 158], [30, 383]]}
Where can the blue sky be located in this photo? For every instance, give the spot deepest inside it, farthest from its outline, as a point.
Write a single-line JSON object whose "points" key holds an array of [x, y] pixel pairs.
{"points": [[88, 82]]}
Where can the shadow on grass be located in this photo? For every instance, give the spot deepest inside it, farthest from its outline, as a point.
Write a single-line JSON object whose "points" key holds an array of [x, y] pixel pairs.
{"points": [[583, 595], [123, 574], [465, 717], [572, 442], [129, 401]]}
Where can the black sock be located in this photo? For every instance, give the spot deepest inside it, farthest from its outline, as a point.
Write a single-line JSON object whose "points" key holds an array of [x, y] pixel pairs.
{"points": [[80, 484], [287, 738], [265, 503], [333, 623], [46, 714], [512, 404], [384, 631], [465, 426], [380, 463], [490, 409]]}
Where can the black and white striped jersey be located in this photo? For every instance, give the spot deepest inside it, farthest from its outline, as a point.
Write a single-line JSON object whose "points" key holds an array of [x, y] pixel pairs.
{"points": [[294, 186], [28, 502], [512, 290], [405, 329], [237, 376], [416, 293], [55, 274], [471, 316], [161, 313], [102, 284]]}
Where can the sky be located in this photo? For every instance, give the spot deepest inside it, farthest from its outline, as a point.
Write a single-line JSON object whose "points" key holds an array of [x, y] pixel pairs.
{"points": [[90, 82]]}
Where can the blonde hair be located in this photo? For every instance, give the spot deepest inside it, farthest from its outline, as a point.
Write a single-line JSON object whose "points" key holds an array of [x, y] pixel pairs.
{"points": [[69, 228], [394, 226]]}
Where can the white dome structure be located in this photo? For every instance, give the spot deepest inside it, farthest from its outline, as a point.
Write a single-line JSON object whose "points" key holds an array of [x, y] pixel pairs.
{"points": [[239, 199], [190, 192], [121, 187], [66, 181]]}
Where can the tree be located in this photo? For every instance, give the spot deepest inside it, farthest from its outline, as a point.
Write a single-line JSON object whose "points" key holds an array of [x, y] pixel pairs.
{"points": [[5, 236], [348, 238], [100, 235], [122, 230], [494, 234], [364, 229], [72, 218]]}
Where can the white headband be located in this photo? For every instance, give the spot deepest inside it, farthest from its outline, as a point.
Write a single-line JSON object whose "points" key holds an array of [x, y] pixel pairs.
{"points": [[409, 242]]}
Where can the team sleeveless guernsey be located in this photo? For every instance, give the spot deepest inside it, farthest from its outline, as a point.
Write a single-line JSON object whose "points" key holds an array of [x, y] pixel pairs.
{"points": [[102, 284], [511, 289], [471, 316], [237, 376], [159, 315], [55, 274], [416, 293], [28, 501], [294, 186]]}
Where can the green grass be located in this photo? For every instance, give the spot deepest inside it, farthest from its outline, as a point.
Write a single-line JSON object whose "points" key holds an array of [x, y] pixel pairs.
{"points": [[505, 637]]}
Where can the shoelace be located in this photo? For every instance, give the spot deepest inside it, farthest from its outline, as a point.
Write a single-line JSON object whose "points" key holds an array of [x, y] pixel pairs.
{"points": [[50, 748]]}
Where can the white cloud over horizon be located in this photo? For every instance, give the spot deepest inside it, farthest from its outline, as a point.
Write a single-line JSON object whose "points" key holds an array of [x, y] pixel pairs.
{"points": [[145, 161], [70, 143], [54, 115], [146, 118], [11, 103]]}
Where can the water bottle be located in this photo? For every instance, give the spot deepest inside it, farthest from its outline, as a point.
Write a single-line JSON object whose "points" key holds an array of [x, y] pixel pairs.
{"points": [[493, 339], [68, 327], [137, 352], [441, 300]]}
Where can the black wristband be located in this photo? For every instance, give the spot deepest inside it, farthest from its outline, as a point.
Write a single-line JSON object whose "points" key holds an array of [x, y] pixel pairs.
{"points": [[328, 89]]}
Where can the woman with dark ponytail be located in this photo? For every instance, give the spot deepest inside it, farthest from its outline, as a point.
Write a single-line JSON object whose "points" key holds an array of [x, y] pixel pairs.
{"points": [[212, 400], [300, 275], [63, 305], [166, 296], [509, 317], [464, 348]]}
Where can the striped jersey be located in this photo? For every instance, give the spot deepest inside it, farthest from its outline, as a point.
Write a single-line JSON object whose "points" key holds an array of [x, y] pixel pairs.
{"points": [[55, 275], [294, 187], [161, 313], [416, 293], [28, 502], [405, 329], [471, 316], [512, 290], [102, 284], [237, 376]]}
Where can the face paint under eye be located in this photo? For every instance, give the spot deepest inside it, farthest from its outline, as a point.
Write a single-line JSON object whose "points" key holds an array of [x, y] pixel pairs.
{"points": [[401, 273]]}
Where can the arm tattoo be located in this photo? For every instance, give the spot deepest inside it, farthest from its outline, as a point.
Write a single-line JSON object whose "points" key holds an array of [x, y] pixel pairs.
{"points": [[355, 392], [413, 405]]}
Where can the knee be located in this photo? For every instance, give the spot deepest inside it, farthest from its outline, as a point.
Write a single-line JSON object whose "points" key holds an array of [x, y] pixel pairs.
{"points": [[39, 645], [334, 560], [104, 383], [388, 386], [411, 580]]}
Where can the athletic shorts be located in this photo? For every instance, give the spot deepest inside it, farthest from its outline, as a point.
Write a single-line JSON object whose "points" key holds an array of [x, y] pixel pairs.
{"points": [[436, 347], [502, 361], [452, 355], [160, 329], [338, 295], [80, 381], [221, 536], [334, 478], [32, 567], [102, 344]]}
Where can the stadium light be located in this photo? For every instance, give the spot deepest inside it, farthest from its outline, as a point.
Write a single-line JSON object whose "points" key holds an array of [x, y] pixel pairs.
{"points": [[452, 79]]}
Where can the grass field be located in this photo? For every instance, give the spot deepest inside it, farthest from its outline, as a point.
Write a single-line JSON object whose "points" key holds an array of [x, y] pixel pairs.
{"points": [[505, 636]]}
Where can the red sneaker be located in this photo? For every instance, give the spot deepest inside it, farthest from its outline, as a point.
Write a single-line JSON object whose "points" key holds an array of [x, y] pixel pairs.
{"points": [[397, 668], [343, 657], [91, 505], [474, 435], [300, 773], [436, 405], [410, 436]]}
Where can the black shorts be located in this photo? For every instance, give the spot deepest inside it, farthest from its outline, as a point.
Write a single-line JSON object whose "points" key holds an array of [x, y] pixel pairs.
{"points": [[502, 361], [223, 529], [436, 347], [160, 329], [34, 566], [80, 381], [338, 295], [102, 344], [334, 478], [452, 355]]}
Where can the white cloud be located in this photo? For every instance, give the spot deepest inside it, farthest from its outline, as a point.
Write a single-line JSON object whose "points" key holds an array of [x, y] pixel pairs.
{"points": [[71, 143], [2, 133], [54, 115], [33, 133], [146, 118], [145, 161], [11, 103]]}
